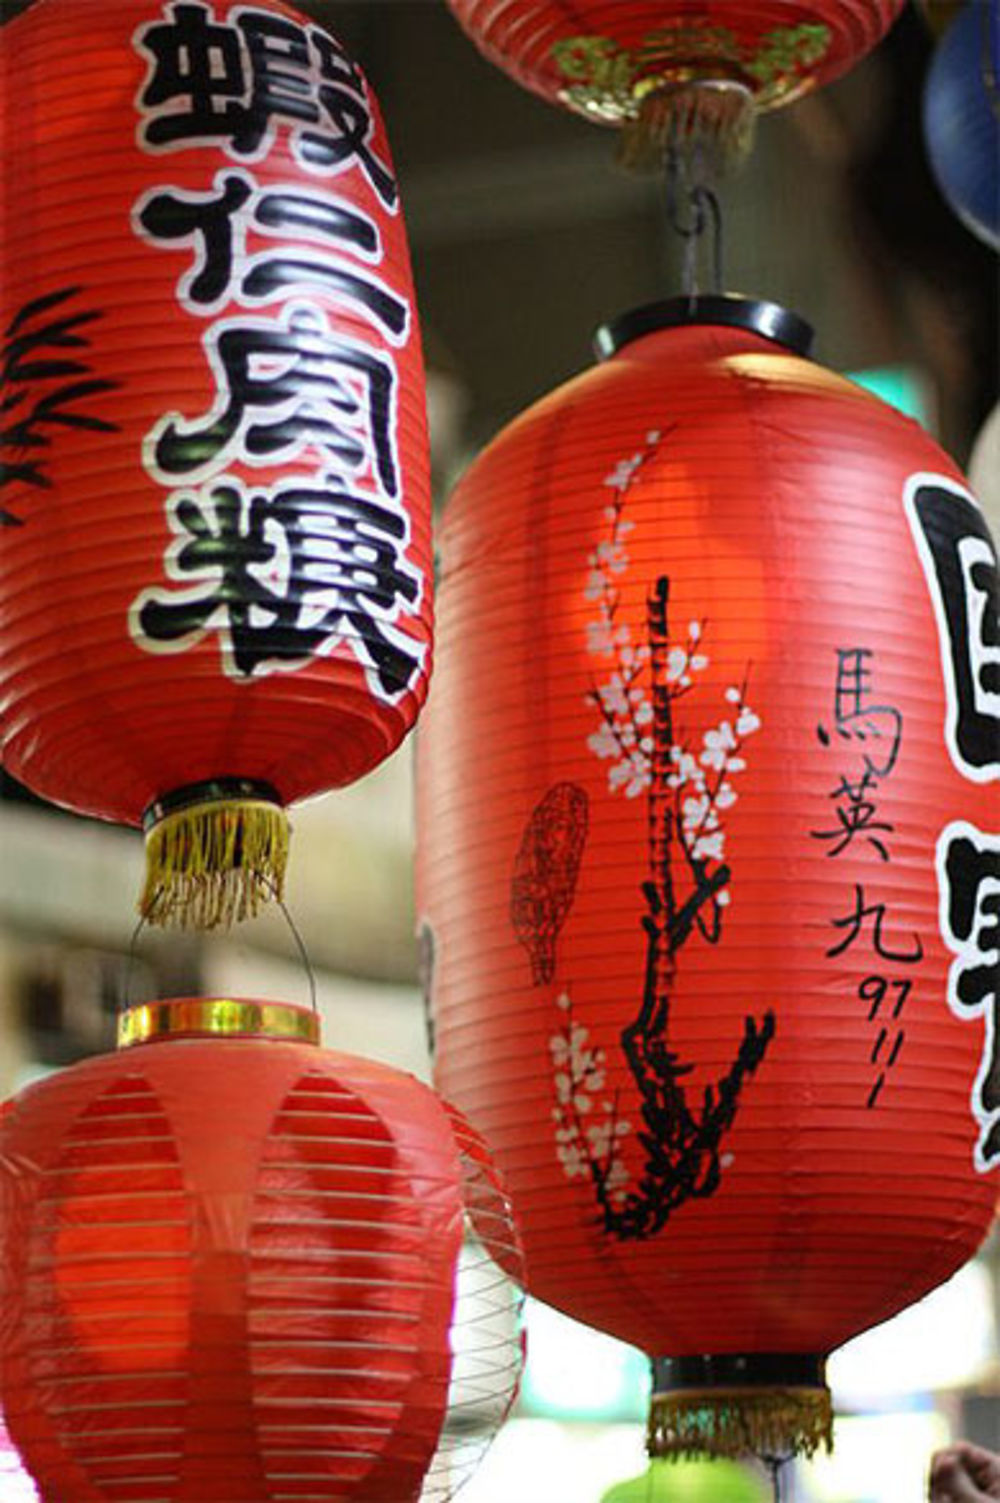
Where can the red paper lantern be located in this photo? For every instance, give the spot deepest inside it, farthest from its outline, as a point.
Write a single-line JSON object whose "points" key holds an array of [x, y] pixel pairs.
{"points": [[229, 1266], [709, 855], [663, 68], [214, 493]]}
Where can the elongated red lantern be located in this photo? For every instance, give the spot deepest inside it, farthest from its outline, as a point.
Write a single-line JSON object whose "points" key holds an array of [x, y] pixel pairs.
{"points": [[674, 70], [230, 1263], [214, 495], [709, 855]]}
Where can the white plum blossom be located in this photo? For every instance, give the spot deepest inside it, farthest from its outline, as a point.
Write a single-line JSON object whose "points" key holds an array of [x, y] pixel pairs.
{"points": [[718, 743], [603, 742], [573, 1158], [600, 641], [613, 696], [602, 1135], [632, 776], [594, 588], [584, 1147], [611, 556], [694, 811], [621, 476], [709, 847], [677, 662]]}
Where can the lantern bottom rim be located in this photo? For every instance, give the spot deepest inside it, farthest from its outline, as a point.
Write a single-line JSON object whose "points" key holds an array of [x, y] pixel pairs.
{"points": [[740, 1369], [208, 791]]}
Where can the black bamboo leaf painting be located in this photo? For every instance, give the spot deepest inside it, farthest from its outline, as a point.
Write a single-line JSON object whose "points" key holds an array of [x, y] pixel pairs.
{"points": [[45, 376]]}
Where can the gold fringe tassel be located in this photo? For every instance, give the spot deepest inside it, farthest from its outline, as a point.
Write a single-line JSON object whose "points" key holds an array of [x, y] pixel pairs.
{"points": [[708, 121], [691, 1423], [214, 864]]}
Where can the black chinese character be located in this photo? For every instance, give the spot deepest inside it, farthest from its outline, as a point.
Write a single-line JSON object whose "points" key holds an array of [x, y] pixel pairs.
{"points": [[857, 719], [344, 98], [969, 873], [283, 575], [209, 220], [198, 74], [281, 388], [855, 816], [210, 81], [961, 565], [853, 923]]}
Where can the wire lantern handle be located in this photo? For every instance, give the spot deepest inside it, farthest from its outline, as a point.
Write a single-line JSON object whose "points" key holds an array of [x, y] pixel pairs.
{"points": [[776, 1465], [300, 945]]}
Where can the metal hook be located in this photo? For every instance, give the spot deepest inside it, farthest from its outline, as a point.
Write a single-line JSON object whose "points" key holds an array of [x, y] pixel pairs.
{"points": [[687, 195]]}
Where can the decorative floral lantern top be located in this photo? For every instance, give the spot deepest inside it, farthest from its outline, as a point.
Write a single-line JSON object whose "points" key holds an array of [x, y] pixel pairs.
{"points": [[708, 858], [669, 69], [214, 492], [229, 1267]]}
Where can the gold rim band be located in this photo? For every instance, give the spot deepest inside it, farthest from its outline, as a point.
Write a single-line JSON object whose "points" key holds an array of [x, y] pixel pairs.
{"points": [[216, 1017]]}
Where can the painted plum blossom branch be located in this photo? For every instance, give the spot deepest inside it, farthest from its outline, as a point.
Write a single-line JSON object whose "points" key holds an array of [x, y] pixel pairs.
{"points": [[585, 1147], [688, 785]]}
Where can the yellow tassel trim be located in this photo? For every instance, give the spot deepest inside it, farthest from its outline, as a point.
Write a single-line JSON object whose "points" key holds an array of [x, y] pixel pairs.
{"points": [[709, 122], [690, 1423], [214, 864]]}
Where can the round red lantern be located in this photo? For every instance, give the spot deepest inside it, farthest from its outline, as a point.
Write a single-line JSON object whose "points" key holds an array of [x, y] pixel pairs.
{"points": [[669, 70], [709, 858], [229, 1266], [214, 492]]}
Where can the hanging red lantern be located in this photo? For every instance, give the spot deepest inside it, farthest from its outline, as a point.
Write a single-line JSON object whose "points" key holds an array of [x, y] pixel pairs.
{"points": [[230, 1263], [674, 69], [709, 858], [214, 492]]}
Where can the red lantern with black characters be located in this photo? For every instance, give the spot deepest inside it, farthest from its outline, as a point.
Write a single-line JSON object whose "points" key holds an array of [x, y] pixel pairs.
{"points": [[214, 558], [674, 70], [230, 1265], [709, 855]]}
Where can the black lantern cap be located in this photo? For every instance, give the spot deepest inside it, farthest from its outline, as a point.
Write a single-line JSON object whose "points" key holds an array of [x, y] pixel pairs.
{"points": [[209, 791], [769, 320], [734, 1370]]}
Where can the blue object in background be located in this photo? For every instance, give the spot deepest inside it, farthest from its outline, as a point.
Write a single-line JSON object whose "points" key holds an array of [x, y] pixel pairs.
{"points": [[962, 118]]}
